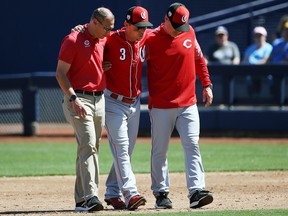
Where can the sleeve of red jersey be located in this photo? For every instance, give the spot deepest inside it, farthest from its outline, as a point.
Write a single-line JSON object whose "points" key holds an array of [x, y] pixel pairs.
{"points": [[201, 66], [202, 71]]}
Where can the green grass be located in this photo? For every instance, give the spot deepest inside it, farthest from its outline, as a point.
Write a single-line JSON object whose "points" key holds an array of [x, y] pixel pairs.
{"points": [[39, 159], [245, 157]]}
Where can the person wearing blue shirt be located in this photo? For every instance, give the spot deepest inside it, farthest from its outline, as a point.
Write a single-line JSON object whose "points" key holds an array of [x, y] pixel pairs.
{"points": [[256, 54], [260, 50], [279, 54]]}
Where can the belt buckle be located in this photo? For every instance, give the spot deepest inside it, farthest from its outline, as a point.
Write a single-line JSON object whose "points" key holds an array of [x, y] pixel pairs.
{"points": [[120, 97]]}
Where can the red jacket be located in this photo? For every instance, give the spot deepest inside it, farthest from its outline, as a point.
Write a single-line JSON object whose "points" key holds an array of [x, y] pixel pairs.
{"points": [[172, 67]]}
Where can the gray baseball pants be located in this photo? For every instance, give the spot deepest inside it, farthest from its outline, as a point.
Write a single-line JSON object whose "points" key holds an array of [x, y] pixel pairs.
{"points": [[121, 123], [186, 121]]}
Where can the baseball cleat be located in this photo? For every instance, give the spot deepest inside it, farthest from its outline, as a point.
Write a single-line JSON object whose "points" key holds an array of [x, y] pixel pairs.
{"points": [[116, 202], [93, 204], [201, 198], [135, 202], [162, 201]]}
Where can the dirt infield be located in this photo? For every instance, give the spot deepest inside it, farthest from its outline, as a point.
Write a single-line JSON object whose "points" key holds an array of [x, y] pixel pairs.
{"points": [[53, 195]]}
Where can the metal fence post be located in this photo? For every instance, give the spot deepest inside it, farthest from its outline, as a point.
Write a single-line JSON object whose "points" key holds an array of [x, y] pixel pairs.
{"points": [[30, 101]]}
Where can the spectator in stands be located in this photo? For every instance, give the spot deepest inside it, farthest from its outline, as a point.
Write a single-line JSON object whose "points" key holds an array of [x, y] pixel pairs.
{"points": [[256, 54], [277, 36], [223, 51], [279, 52], [260, 50]]}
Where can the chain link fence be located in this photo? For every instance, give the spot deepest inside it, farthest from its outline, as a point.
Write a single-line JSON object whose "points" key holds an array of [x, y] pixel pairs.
{"points": [[11, 115], [51, 117]]}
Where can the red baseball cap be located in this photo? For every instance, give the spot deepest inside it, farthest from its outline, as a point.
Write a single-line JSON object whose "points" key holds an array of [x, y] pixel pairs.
{"points": [[178, 15], [138, 16]]}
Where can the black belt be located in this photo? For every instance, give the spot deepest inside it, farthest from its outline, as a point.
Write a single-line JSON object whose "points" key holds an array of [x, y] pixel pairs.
{"points": [[96, 93]]}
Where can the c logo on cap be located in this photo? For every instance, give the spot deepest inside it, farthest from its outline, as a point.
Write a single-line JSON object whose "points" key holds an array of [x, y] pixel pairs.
{"points": [[143, 15], [184, 19], [187, 43]]}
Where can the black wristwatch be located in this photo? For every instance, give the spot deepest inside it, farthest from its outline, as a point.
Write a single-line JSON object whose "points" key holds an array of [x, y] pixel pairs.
{"points": [[209, 86], [72, 98]]}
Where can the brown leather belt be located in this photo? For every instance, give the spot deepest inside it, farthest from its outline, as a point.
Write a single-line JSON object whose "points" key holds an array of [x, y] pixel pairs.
{"points": [[97, 93], [124, 99]]}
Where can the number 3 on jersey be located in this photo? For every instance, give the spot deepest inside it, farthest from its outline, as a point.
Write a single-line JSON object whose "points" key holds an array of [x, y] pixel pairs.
{"points": [[140, 54], [123, 54]]}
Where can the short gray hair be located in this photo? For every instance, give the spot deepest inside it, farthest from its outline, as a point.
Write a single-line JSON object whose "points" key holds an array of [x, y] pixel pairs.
{"points": [[102, 13]]}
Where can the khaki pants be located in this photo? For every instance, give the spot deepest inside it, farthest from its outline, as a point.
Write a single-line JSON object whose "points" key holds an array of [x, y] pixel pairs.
{"points": [[88, 132]]}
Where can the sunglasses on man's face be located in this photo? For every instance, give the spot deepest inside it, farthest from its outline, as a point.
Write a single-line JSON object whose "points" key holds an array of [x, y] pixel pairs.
{"points": [[106, 28]]}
